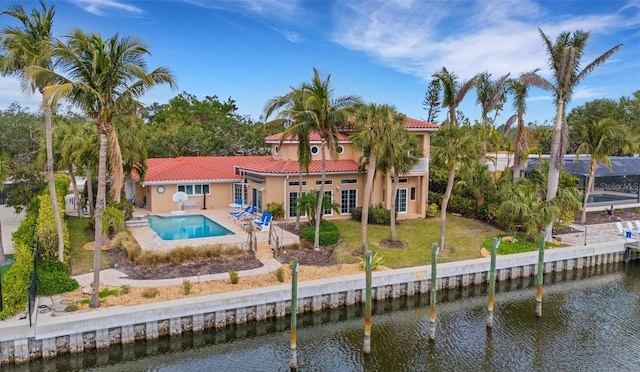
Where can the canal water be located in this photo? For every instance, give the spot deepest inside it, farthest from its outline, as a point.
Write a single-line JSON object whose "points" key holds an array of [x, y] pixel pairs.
{"points": [[590, 322]]}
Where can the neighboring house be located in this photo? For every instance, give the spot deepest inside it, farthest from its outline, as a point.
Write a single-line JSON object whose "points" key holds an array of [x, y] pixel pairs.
{"points": [[217, 181]]}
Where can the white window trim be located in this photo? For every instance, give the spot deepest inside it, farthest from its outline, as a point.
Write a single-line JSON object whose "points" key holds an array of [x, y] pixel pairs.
{"points": [[193, 186], [406, 200], [347, 213], [330, 209]]}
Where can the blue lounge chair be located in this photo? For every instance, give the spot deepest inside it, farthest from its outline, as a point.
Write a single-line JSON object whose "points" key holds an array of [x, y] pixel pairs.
{"points": [[265, 222], [237, 214], [245, 213]]}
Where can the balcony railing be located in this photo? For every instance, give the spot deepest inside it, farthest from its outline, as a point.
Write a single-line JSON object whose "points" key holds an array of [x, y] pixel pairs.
{"points": [[421, 167]]}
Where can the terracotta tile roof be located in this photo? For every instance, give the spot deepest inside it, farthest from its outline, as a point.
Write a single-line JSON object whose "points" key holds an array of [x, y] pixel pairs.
{"points": [[197, 168], [410, 124], [419, 124], [292, 167]]}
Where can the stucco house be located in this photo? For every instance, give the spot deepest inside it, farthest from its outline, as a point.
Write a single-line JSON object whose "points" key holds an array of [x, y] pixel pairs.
{"points": [[217, 181]]}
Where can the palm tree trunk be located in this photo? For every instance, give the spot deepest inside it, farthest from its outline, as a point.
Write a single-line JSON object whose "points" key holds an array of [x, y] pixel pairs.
{"points": [[102, 186], [76, 194], [394, 192], [90, 205], [299, 195], [316, 239], [592, 171], [555, 161], [445, 202], [52, 184], [366, 200], [115, 165], [3, 258]]}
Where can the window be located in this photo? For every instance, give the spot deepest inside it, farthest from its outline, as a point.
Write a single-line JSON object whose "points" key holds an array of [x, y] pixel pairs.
{"points": [[340, 150], [349, 181], [326, 182], [315, 150], [198, 189], [297, 183], [276, 149], [293, 203], [403, 180], [239, 192], [257, 199], [413, 193], [401, 201], [328, 211], [349, 199]]}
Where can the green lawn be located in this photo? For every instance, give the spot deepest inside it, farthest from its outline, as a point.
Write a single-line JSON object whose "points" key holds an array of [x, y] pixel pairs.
{"points": [[81, 260], [463, 240], [3, 269], [520, 245]]}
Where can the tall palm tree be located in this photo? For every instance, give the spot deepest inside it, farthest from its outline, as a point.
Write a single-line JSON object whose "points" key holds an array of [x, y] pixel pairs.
{"points": [[4, 169], [291, 114], [67, 143], [491, 96], [565, 57], [31, 45], [454, 148], [452, 92], [375, 124], [519, 90], [598, 139], [104, 78], [403, 152], [325, 113]]}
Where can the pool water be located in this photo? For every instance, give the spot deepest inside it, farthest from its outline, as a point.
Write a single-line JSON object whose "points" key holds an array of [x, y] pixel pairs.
{"points": [[186, 227], [608, 198]]}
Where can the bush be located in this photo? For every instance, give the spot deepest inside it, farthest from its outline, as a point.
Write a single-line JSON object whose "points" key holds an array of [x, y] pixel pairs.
{"points": [[106, 292], [432, 210], [461, 205], [112, 220], [329, 233], [233, 276], [376, 260], [125, 207], [125, 241], [15, 282], [150, 293], [46, 232], [186, 286], [276, 209], [435, 197], [53, 278], [378, 215], [279, 274], [125, 289]]}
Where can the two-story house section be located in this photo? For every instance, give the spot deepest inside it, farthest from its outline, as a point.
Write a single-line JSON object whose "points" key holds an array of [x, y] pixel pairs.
{"points": [[214, 181]]}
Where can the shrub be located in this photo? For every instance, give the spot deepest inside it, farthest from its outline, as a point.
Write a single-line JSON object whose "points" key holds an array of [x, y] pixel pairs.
{"points": [[462, 205], [150, 293], [436, 198], [432, 210], [376, 260], [186, 286], [112, 220], [329, 233], [53, 278], [15, 282], [378, 215], [233, 276], [279, 274], [125, 207], [71, 308], [276, 209], [46, 232], [125, 241], [125, 289], [106, 292]]}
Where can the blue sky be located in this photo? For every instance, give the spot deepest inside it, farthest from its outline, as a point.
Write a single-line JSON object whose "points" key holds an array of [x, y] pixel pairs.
{"points": [[384, 51]]}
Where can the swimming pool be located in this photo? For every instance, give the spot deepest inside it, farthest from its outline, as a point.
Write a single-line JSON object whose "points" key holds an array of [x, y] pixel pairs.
{"points": [[186, 227]]}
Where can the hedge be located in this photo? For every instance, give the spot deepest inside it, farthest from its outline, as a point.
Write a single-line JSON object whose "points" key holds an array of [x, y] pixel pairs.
{"points": [[53, 278], [15, 282], [329, 233]]}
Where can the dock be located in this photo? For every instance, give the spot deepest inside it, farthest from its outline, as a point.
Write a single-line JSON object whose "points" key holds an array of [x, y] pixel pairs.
{"points": [[630, 246]]}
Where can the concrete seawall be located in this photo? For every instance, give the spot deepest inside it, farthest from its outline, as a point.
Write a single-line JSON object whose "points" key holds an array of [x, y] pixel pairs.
{"points": [[76, 332]]}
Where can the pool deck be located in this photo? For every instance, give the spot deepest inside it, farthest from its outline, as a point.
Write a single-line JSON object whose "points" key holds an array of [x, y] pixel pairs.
{"points": [[148, 239]]}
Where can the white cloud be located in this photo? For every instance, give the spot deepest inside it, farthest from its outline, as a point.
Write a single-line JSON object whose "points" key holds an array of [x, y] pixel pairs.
{"points": [[281, 9], [101, 7], [467, 37], [11, 91]]}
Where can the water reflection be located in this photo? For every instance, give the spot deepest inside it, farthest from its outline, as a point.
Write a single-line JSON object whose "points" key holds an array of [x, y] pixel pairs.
{"points": [[590, 321]]}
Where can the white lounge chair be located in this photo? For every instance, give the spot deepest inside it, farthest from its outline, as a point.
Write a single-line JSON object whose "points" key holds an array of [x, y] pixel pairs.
{"points": [[237, 214], [637, 225], [245, 213], [631, 228], [621, 230]]}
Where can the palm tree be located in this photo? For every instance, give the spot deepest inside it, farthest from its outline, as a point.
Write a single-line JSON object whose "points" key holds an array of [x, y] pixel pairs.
{"points": [[325, 113], [403, 152], [290, 113], [131, 132], [375, 125], [491, 96], [452, 93], [454, 148], [565, 62], [4, 169], [30, 45], [67, 143], [104, 78], [598, 139], [519, 90]]}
